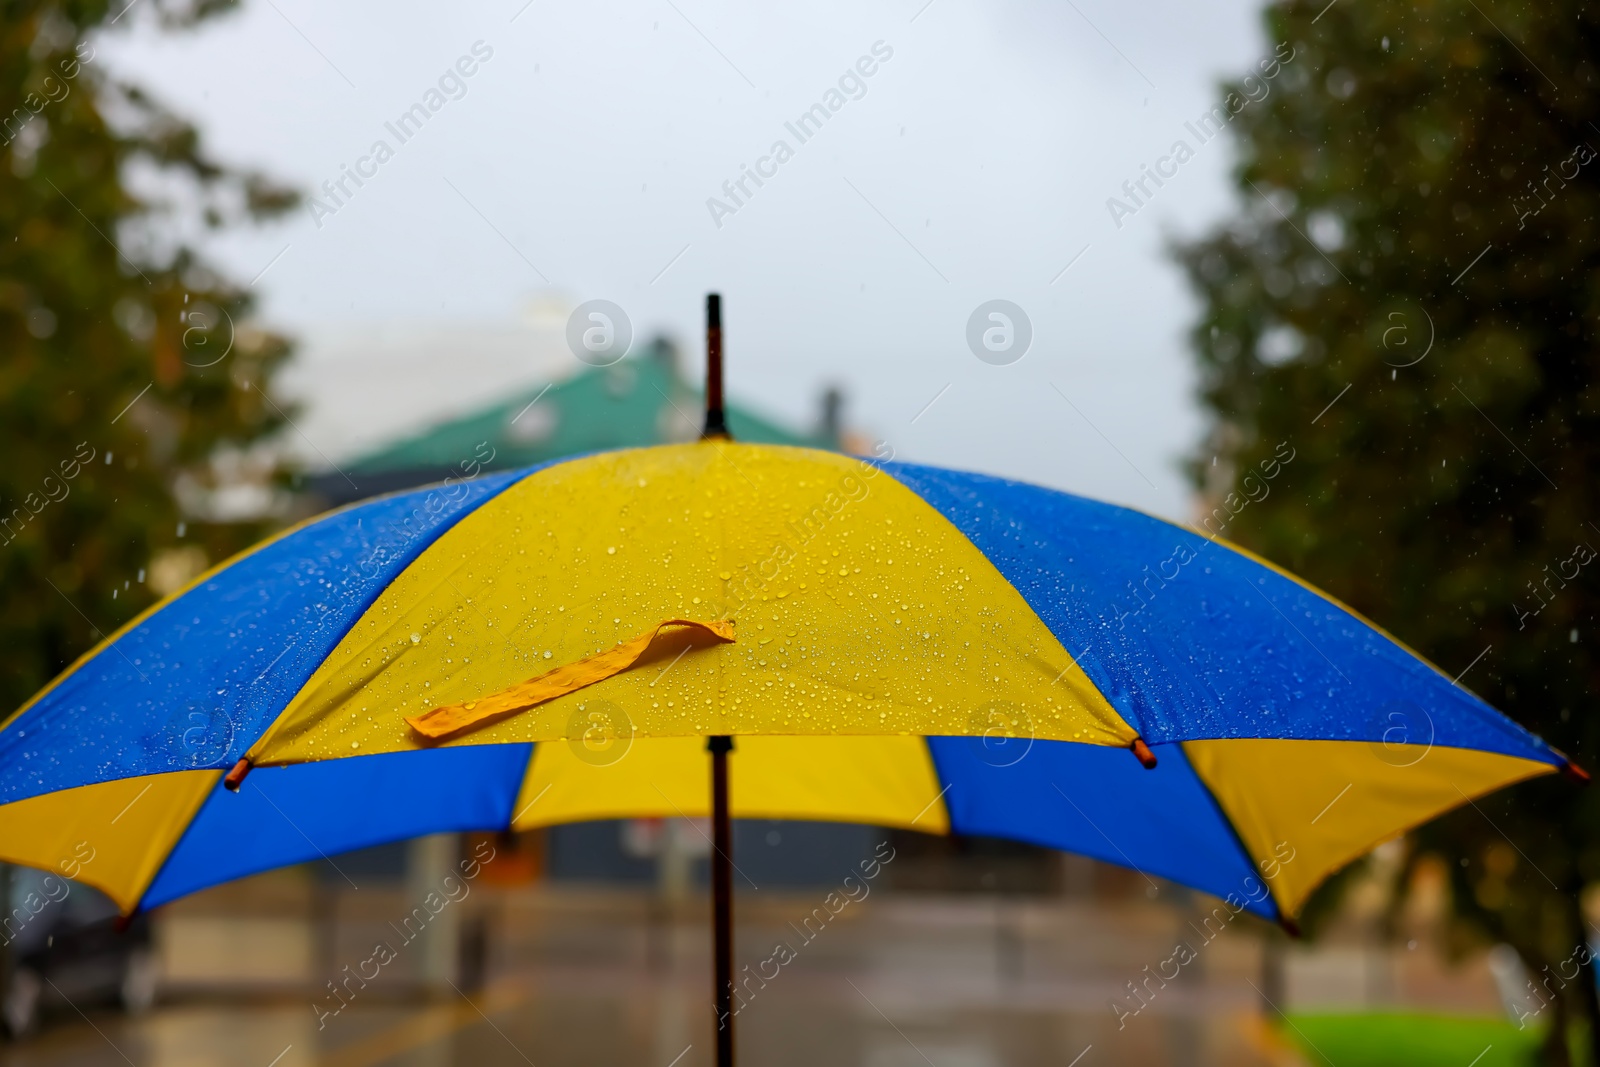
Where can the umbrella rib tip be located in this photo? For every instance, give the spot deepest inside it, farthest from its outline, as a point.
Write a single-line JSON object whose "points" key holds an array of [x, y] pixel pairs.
{"points": [[235, 777], [1142, 753]]}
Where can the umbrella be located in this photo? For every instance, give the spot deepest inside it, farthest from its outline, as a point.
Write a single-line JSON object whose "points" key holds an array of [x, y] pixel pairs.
{"points": [[852, 639]]}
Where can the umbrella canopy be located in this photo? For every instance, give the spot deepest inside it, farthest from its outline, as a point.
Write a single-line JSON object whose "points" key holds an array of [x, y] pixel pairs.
{"points": [[888, 643]]}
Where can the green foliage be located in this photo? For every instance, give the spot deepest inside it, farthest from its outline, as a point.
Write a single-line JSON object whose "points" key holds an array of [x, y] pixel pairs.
{"points": [[1416, 177], [102, 301], [1383, 1040]]}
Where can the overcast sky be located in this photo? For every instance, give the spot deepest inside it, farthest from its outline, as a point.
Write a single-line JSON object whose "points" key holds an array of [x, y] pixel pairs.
{"points": [[577, 159]]}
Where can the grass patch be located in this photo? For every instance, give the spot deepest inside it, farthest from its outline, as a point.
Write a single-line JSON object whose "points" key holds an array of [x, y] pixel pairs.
{"points": [[1384, 1039]]}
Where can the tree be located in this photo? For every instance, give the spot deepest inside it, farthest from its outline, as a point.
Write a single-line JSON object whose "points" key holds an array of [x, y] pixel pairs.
{"points": [[132, 387], [1408, 293]]}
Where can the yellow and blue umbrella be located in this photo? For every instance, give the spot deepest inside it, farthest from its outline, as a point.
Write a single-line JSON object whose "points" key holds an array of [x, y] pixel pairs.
{"points": [[889, 643]]}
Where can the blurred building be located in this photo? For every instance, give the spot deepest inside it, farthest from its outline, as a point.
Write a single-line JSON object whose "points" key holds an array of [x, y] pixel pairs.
{"points": [[642, 400]]}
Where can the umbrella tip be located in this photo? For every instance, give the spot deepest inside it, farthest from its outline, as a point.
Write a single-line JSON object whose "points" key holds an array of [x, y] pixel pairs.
{"points": [[716, 420], [1289, 926], [235, 777], [1572, 772], [1142, 753]]}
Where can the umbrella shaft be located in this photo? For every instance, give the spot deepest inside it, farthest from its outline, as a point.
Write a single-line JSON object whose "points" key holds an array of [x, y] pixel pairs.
{"points": [[716, 421], [722, 897]]}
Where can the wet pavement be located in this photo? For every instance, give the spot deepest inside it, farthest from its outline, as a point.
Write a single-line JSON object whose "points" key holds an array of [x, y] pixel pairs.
{"points": [[608, 977]]}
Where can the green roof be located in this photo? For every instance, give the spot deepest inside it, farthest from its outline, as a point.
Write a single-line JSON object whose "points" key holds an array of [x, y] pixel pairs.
{"points": [[639, 401]]}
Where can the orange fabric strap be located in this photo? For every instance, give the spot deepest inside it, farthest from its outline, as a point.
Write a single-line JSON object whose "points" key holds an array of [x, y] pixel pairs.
{"points": [[441, 722]]}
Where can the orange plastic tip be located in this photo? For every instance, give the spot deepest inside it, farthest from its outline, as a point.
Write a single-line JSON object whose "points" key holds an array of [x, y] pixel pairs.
{"points": [[235, 777]]}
